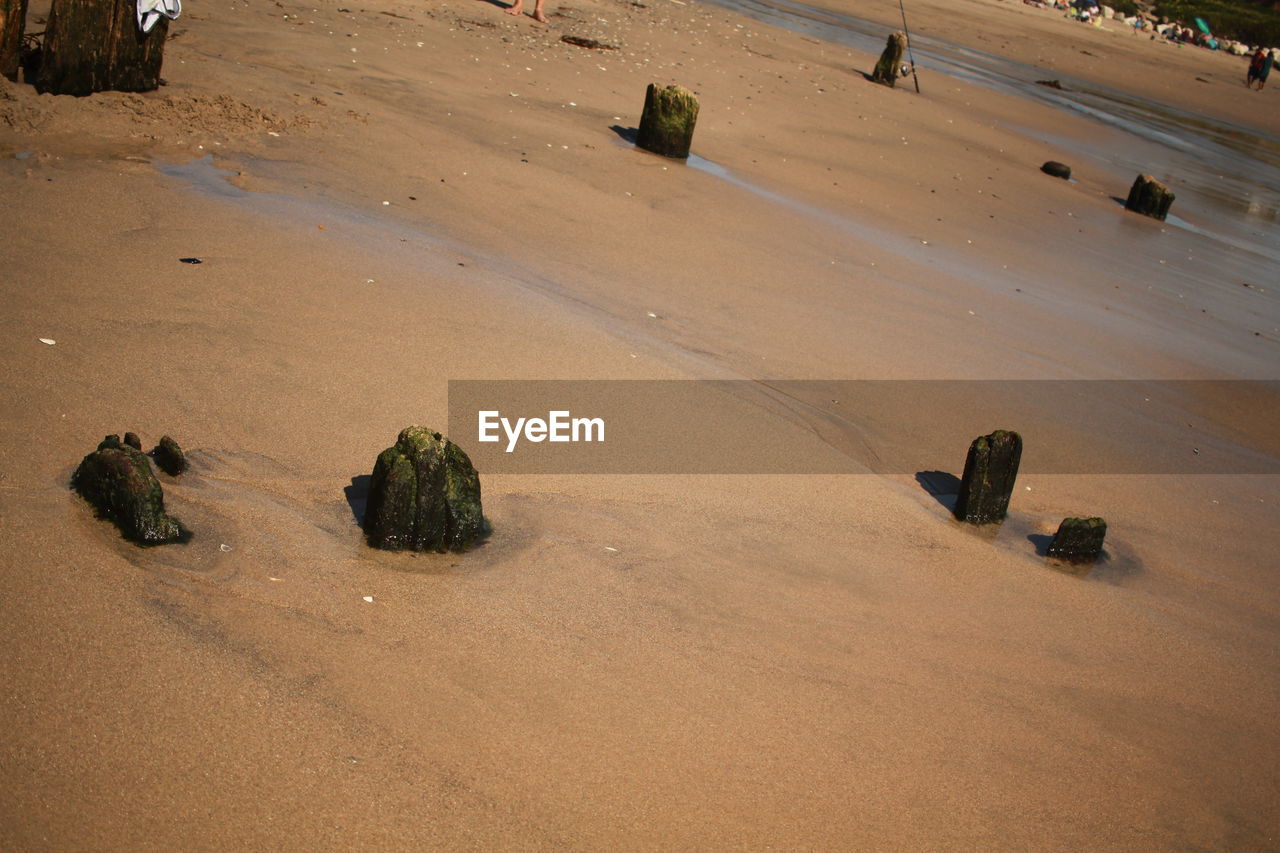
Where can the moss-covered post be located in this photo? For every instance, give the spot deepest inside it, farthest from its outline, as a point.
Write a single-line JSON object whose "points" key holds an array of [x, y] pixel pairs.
{"points": [[666, 125], [13, 20], [1078, 540], [1149, 197], [169, 456], [886, 70], [424, 495], [96, 46], [990, 470], [117, 481]]}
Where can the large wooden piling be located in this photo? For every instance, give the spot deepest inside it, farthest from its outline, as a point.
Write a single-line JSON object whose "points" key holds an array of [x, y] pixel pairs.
{"points": [[96, 46], [116, 479], [1149, 197], [990, 470], [424, 495], [13, 20], [666, 125], [886, 70]]}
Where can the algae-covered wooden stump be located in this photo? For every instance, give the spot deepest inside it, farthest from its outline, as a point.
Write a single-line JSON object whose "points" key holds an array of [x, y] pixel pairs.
{"points": [[96, 46], [118, 481], [1149, 197], [666, 125], [990, 470], [886, 70], [424, 496], [1078, 540], [13, 19], [169, 457]]}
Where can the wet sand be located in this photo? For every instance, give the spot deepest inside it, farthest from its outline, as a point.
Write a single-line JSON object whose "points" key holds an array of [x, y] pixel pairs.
{"points": [[694, 662]]}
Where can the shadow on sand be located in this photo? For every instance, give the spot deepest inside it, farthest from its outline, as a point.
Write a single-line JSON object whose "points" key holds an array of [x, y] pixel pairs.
{"points": [[358, 496], [1041, 542], [942, 486], [629, 134]]}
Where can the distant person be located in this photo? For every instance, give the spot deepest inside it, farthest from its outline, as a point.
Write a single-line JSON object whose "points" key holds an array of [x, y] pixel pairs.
{"points": [[517, 8], [1259, 68]]}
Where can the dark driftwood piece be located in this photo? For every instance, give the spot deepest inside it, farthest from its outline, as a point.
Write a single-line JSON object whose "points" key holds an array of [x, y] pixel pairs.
{"points": [[96, 46], [886, 70], [666, 125], [1058, 170], [1149, 197], [592, 44], [13, 18], [1078, 540], [990, 470]]}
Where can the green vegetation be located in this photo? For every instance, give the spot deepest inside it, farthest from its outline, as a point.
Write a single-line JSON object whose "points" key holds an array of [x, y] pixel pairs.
{"points": [[1241, 20]]}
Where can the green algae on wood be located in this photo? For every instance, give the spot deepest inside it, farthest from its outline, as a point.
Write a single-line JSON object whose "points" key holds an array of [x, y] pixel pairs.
{"points": [[1149, 197], [1078, 540], [890, 63], [424, 496], [990, 470], [117, 480], [96, 46], [666, 125]]}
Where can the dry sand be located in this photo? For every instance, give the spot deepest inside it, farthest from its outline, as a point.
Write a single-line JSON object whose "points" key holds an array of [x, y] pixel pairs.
{"points": [[674, 662]]}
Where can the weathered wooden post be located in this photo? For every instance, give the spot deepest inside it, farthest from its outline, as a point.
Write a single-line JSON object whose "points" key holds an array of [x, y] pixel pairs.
{"points": [[1078, 540], [666, 125], [96, 46], [1149, 197], [13, 20], [990, 470], [886, 70], [424, 495]]}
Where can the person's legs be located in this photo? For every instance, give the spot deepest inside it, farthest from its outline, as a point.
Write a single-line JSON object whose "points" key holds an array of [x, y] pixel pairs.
{"points": [[538, 14], [516, 8]]}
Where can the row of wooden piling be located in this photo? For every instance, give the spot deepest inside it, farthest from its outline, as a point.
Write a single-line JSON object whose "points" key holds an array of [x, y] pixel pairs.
{"points": [[94, 46], [424, 494]]}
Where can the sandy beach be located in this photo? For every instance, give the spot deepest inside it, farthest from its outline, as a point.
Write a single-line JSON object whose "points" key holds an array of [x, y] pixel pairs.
{"points": [[388, 198]]}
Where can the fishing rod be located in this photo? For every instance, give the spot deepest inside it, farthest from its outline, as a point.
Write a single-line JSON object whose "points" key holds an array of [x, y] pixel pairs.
{"points": [[910, 56]]}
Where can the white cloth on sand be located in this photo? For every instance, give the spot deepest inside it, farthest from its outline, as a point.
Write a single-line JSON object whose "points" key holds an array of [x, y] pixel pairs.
{"points": [[149, 11]]}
